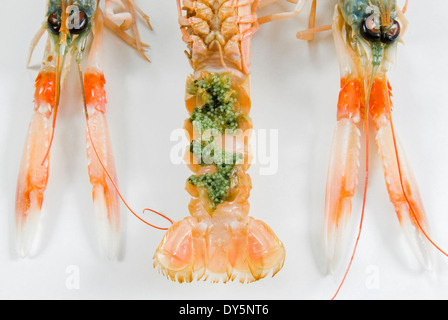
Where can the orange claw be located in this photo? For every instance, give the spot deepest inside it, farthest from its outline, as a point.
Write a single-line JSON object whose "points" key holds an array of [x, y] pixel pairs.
{"points": [[33, 174], [400, 181], [343, 170], [105, 197]]}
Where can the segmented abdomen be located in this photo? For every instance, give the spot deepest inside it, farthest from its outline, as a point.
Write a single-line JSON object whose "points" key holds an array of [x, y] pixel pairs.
{"points": [[218, 99], [219, 242]]}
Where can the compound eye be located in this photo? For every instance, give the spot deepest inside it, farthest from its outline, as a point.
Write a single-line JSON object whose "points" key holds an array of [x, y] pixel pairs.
{"points": [[370, 28], [391, 34], [79, 22], [54, 23]]}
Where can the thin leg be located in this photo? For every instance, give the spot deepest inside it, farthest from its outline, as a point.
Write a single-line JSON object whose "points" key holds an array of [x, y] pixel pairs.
{"points": [[309, 33], [129, 21], [140, 11], [404, 22], [129, 40], [283, 15], [405, 7], [124, 17], [134, 29], [312, 21], [264, 3], [35, 41]]}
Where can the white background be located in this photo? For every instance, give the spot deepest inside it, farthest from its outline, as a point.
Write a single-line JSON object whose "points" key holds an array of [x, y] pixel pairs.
{"points": [[295, 88]]}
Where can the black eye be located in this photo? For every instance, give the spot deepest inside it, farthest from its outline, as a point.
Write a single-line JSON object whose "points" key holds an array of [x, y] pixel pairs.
{"points": [[78, 22], [54, 23], [389, 35], [370, 28]]}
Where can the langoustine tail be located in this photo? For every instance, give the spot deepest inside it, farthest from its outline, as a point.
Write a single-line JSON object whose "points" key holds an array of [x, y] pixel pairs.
{"points": [[342, 173], [400, 181], [34, 169], [101, 166], [219, 242], [32, 182], [219, 250], [105, 197]]}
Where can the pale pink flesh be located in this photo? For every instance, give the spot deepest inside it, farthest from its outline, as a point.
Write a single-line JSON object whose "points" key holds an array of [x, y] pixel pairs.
{"points": [[34, 167], [100, 162], [32, 182], [341, 184], [219, 248], [101, 166], [407, 216]]}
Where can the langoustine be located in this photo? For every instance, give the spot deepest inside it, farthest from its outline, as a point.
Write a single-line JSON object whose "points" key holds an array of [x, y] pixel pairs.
{"points": [[366, 34], [219, 241], [71, 25]]}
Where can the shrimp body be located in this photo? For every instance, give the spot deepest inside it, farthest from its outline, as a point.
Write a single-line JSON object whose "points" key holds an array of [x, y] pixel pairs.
{"points": [[366, 34], [75, 29], [219, 241]]}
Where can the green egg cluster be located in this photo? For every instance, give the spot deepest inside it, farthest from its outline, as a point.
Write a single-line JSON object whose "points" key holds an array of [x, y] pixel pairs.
{"points": [[218, 111], [216, 115], [218, 183]]}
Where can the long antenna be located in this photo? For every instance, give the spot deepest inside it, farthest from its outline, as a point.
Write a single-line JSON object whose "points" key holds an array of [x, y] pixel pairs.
{"points": [[414, 215]]}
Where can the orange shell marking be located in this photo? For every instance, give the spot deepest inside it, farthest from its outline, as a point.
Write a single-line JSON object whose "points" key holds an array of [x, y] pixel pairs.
{"points": [[45, 88], [94, 90], [349, 103]]}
